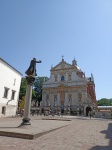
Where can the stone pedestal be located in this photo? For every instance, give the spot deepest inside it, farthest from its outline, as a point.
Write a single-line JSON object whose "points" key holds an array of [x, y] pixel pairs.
{"points": [[26, 118]]}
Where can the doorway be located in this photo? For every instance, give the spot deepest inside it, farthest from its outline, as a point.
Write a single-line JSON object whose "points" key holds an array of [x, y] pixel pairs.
{"points": [[87, 110]]}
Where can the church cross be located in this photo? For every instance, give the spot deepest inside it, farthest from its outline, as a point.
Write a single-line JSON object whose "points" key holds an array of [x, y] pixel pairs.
{"points": [[62, 56]]}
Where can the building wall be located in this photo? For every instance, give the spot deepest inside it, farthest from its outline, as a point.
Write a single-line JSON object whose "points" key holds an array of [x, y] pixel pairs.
{"points": [[11, 79]]}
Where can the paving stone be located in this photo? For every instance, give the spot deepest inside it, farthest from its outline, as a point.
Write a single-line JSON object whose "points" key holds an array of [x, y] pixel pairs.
{"points": [[80, 134]]}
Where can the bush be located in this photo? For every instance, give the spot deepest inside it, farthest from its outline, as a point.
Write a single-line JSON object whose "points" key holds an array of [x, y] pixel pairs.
{"points": [[74, 113]]}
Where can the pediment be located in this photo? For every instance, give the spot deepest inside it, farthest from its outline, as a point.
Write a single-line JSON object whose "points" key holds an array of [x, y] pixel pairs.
{"points": [[62, 65]]}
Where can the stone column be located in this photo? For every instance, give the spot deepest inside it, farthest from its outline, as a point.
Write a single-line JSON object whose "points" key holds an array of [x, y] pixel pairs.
{"points": [[52, 103], [43, 99], [50, 99], [26, 118], [58, 99], [66, 102]]}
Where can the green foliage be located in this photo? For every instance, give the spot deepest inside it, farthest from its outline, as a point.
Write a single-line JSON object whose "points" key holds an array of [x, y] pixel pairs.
{"points": [[104, 102], [22, 88], [38, 87], [73, 112]]}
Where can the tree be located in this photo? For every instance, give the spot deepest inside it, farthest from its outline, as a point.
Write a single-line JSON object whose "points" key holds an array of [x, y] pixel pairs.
{"points": [[23, 89], [38, 87], [22, 103], [36, 91], [104, 102]]}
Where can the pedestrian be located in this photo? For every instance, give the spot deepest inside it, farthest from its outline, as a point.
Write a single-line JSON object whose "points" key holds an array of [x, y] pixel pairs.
{"points": [[90, 114]]}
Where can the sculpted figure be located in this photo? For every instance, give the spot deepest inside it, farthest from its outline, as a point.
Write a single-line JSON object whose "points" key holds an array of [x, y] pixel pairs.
{"points": [[32, 68]]}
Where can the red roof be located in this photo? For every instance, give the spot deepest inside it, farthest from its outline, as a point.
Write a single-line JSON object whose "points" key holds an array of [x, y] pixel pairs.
{"points": [[106, 110]]}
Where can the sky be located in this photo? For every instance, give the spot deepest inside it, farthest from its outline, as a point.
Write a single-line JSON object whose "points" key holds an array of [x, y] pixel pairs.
{"points": [[48, 29]]}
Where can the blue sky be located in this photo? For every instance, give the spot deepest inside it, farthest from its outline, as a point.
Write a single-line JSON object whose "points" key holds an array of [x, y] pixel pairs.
{"points": [[48, 29]]}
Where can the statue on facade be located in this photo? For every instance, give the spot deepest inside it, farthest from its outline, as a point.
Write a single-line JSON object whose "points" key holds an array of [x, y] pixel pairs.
{"points": [[31, 71]]}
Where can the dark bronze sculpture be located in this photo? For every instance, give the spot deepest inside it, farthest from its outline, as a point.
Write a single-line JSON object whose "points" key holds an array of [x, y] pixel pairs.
{"points": [[31, 71], [30, 78]]}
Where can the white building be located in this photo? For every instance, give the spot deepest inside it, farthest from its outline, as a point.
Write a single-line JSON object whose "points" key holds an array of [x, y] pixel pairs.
{"points": [[10, 80], [68, 88]]}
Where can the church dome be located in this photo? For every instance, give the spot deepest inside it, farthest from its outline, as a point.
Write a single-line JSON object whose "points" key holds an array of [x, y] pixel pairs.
{"points": [[74, 63], [78, 67]]}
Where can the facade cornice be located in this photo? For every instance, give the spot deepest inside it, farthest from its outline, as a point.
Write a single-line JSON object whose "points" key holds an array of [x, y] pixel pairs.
{"points": [[62, 63]]}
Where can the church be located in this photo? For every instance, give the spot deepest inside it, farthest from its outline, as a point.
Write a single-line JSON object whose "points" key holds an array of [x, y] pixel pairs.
{"points": [[68, 89]]}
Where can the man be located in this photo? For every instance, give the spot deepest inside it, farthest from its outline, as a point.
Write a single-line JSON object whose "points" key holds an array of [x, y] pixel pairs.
{"points": [[90, 114]]}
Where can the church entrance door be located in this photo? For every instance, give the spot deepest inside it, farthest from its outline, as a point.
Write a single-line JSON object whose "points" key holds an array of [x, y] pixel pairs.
{"points": [[87, 110]]}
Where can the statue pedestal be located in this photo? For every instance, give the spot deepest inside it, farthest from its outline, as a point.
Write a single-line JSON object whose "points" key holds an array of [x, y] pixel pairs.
{"points": [[26, 118], [26, 121]]}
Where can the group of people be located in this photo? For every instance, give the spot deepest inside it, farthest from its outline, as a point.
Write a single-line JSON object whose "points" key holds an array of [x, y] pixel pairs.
{"points": [[90, 114]]}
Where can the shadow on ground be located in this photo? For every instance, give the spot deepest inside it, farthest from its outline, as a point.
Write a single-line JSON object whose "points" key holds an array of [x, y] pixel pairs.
{"points": [[7, 127], [108, 135]]}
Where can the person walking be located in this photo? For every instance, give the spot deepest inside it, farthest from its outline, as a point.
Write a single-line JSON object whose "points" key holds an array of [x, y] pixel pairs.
{"points": [[90, 114]]}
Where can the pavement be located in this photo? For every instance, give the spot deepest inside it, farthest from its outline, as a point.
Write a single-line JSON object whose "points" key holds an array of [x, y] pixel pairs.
{"points": [[81, 133], [12, 127]]}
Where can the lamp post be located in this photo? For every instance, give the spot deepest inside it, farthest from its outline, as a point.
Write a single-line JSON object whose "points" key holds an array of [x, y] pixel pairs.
{"points": [[30, 78]]}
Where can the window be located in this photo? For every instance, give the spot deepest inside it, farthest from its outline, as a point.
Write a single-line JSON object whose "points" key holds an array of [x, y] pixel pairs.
{"points": [[14, 81], [13, 95], [6, 92], [3, 110], [62, 78]]}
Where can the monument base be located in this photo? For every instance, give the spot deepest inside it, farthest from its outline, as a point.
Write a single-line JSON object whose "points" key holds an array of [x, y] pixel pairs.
{"points": [[26, 121]]}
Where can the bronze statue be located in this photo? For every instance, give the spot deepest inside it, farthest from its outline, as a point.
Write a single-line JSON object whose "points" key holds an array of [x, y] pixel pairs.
{"points": [[31, 71]]}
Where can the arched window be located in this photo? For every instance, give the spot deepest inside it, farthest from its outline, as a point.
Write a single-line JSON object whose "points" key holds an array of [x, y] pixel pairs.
{"points": [[62, 78]]}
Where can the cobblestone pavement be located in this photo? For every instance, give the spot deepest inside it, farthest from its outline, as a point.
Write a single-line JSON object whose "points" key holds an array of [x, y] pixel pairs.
{"points": [[82, 134]]}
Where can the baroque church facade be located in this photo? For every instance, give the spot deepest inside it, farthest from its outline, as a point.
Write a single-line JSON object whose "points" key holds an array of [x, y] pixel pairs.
{"points": [[69, 89]]}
